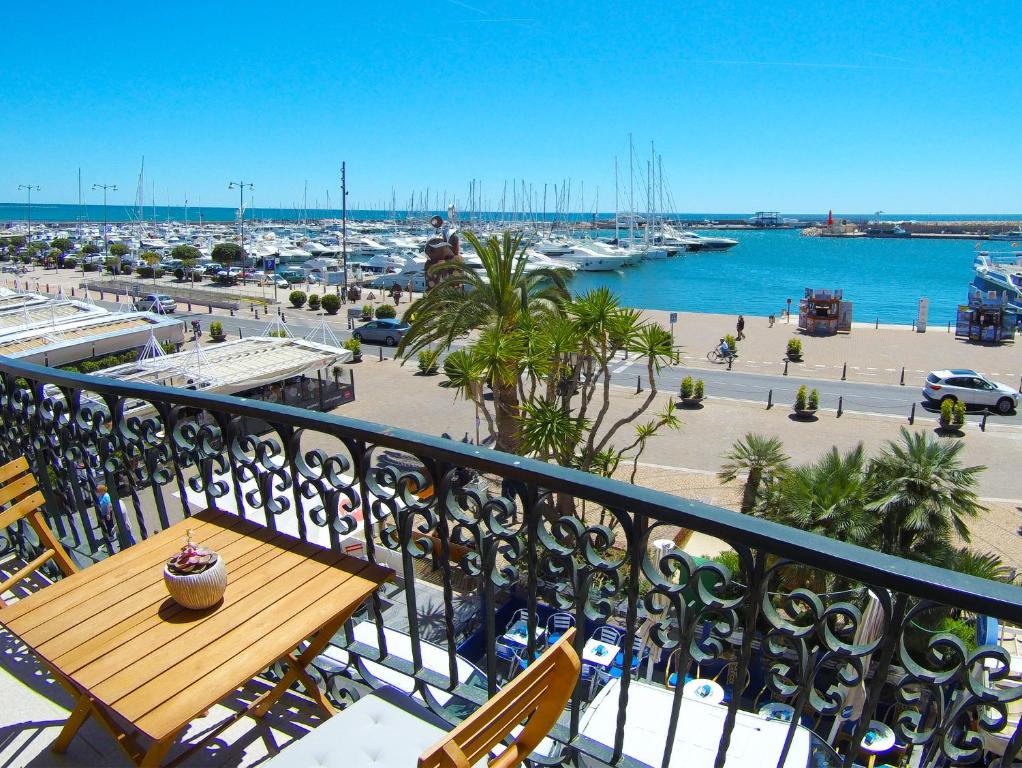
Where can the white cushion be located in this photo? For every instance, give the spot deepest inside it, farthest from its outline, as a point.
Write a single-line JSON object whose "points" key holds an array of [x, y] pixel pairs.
{"points": [[385, 728]]}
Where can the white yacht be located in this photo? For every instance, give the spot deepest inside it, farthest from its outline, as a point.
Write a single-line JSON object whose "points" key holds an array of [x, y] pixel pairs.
{"points": [[588, 260]]}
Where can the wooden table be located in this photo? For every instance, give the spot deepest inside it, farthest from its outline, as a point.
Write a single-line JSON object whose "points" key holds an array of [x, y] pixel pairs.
{"points": [[143, 665]]}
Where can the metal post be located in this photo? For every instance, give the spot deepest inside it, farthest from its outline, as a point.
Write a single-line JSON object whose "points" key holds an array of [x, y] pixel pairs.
{"points": [[983, 423], [106, 234], [877, 326], [902, 382], [785, 367], [319, 379], [29, 187], [730, 360], [351, 378], [211, 309], [949, 326], [239, 333], [840, 406], [241, 214], [770, 399], [912, 415], [844, 371], [638, 384], [381, 354], [344, 226]]}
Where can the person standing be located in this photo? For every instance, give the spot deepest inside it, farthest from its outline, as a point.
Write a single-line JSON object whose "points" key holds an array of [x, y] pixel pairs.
{"points": [[741, 327]]}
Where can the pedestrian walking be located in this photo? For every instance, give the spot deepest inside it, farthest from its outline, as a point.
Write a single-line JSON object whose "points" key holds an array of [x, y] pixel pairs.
{"points": [[771, 320], [741, 327], [105, 507]]}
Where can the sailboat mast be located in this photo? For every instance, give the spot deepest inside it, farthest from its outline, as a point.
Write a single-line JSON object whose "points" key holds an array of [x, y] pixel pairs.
{"points": [[631, 190], [617, 209]]}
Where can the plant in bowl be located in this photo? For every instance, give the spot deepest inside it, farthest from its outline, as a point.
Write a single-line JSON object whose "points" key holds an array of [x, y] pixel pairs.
{"points": [[330, 303], [687, 388], [806, 403], [216, 331], [367, 312], [952, 414], [386, 312], [429, 361], [314, 302], [355, 347], [700, 390], [196, 577], [794, 349], [691, 391]]}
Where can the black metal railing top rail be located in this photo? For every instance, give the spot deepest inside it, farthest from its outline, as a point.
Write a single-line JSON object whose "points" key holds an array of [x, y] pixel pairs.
{"points": [[549, 537]]}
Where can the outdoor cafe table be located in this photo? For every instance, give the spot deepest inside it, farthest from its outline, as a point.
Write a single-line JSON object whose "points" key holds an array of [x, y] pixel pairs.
{"points": [[599, 654], [133, 657]]}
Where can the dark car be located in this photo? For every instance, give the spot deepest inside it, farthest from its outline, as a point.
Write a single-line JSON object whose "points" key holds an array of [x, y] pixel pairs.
{"points": [[387, 332]]}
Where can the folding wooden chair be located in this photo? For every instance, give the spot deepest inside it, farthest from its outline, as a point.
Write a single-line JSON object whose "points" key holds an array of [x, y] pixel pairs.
{"points": [[392, 729], [22, 500]]}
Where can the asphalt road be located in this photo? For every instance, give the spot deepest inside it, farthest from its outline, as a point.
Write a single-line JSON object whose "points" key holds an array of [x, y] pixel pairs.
{"points": [[859, 397]]}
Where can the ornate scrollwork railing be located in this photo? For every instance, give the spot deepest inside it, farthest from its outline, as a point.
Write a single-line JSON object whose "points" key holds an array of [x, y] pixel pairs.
{"points": [[803, 619]]}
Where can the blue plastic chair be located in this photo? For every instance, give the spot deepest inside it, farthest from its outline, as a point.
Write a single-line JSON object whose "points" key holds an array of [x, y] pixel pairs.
{"points": [[640, 653], [557, 624]]}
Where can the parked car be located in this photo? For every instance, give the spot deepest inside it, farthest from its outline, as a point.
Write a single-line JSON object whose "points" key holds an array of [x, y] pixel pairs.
{"points": [[213, 269], [971, 388], [280, 282], [156, 302], [387, 332]]}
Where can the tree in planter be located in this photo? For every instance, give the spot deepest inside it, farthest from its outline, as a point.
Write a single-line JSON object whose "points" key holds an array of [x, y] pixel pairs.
{"points": [[732, 342], [331, 303], [794, 349], [314, 302], [386, 312], [367, 312], [355, 347], [700, 389], [814, 399], [800, 398], [428, 361], [297, 299], [760, 458], [687, 388], [216, 330]]}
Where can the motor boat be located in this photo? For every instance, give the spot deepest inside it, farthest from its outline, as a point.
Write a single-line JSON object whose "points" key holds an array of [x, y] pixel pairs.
{"points": [[999, 274]]}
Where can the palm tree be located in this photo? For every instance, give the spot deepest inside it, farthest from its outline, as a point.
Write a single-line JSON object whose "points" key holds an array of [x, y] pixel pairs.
{"points": [[501, 298], [758, 457], [923, 493], [829, 497]]}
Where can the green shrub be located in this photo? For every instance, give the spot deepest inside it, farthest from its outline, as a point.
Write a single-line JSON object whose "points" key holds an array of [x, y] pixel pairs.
{"points": [[330, 303], [69, 262], [314, 301], [814, 399], [429, 360], [700, 389], [125, 269], [354, 346], [278, 334], [150, 272], [118, 249], [731, 342], [216, 329], [90, 267], [959, 413], [297, 299], [179, 273], [686, 387], [794, 348], [800, 398], [367, 311], [90, 248], [386, 311]]}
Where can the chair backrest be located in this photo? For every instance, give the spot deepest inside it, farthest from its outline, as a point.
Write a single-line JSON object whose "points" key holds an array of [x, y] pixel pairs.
{"points": [[560, 621], [21, 499], [536, 698], [608, 634]]}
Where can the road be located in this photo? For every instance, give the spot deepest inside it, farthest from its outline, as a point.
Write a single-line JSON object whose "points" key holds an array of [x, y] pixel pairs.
{"points": [[859, 397]]}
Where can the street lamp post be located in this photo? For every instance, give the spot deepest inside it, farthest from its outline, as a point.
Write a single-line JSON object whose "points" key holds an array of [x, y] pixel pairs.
{"points": [[106, 234], [29, 188], [241, 185]]}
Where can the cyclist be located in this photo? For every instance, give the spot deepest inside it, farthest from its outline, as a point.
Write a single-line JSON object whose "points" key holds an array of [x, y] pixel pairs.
{"points": [[725, 349]]}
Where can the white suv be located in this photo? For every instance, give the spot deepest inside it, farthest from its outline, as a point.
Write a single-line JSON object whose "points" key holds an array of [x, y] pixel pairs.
{"points": [[971, 388]]}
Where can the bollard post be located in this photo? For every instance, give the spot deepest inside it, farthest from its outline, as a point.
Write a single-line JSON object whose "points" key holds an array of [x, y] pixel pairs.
{"points": [[257, 314], [785, 367], [770, 399], [239, 333], [47, 287], [231, 311], [638, 384], [844, 371], [902, 382], [351, 378], [72, 290], [840, 406], [101, 296], [189, 305], [912, 415], [983, 423], [877, 326], [949, 326], [729, 361], [381, 354], [211, 309]]}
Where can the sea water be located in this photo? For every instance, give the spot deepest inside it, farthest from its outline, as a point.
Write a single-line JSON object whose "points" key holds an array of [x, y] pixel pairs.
{"points": [[884, 278]]}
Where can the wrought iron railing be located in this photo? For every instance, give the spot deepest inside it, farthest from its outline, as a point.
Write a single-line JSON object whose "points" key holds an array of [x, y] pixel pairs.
{"points": [[489, 527]]}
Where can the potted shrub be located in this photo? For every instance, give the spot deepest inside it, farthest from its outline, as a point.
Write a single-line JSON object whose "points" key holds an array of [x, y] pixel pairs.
{"points": [[196, 577], [216, 331], [691, 391], [367, 312], [386, 311], [314, 302], [700, 390], [297, 299], [355, 347], [331, 303], [952, 415], [794, 350], [429, 361], [806, 403], [732, 342]]}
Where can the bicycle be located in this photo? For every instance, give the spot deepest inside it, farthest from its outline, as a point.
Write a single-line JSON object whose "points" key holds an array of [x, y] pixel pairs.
{"points": [[715, 356]]}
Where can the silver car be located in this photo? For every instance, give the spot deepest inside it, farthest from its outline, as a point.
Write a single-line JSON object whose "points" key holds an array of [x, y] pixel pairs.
{"points": [[159, 303], [971, 388], [387, 332]]}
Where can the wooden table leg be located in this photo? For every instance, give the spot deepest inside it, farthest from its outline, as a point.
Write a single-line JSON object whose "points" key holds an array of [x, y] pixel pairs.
{"points": [[296, 671], [77, 718], [157, 752]]}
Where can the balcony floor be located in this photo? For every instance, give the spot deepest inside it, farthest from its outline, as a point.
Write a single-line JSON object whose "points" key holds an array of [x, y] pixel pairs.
{"points": [[36, 706]]}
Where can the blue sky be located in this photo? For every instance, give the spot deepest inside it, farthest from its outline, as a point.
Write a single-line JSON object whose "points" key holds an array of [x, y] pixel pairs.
{"points": [[799, 107]]}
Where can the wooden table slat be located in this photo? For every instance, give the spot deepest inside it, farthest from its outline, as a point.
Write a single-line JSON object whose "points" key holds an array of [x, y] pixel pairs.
{"points": [[244, 598], [120, 586], [132, 619], [275, 632], [44, 605]]}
